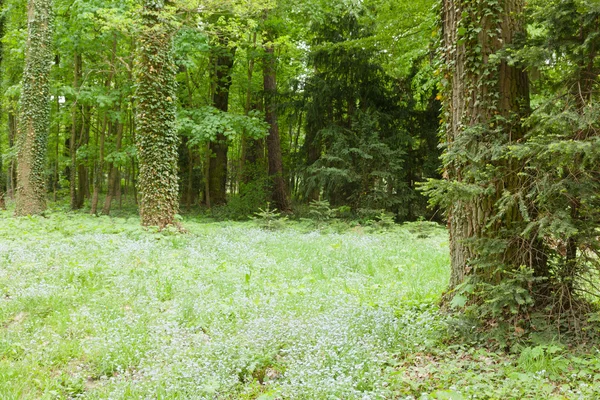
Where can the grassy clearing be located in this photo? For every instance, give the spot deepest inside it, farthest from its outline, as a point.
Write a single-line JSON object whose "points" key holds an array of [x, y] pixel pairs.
{"points": [[98, 308]]}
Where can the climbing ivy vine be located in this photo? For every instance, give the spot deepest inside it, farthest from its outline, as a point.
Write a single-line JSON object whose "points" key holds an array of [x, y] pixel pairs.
{"points": [[34, 121], [157, 138]]}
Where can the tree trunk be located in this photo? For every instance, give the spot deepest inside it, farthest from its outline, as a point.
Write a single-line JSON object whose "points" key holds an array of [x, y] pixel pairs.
{"points": [[56, 149], [99, 175], [113, 179], [75, 130], [157, 137], [83, 178], [279, 193], [217, 173], [11, 176], [485, 100], [3, 180], [34, 121], [252, 149]]}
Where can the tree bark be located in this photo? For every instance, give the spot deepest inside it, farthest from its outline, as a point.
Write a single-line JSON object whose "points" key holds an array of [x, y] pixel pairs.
{"points": [[156, 135], [279, 192], [11, 176], [75, 129], [483, 96], [34, 121], [99, 174], [3, 180], [83, 177], [113, 179], [217, 172], [251, 160]]}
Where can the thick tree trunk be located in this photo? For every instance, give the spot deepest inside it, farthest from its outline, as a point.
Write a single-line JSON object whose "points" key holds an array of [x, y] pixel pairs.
{"points": [[483, 96], [217, 172], [34, 121], [279, 192], [156, 135]]}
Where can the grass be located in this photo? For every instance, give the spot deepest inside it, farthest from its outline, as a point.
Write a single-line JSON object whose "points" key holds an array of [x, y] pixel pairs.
{"points": [[98, 308]]}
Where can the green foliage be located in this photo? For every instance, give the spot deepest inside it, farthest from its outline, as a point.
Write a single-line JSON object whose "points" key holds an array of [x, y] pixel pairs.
{"points": [[101, 307], [544, 359], [505, 302], [251, 198], [204, 124], [34, 117], [320, 211], [156, 118], [362, 147], [269, 219]]}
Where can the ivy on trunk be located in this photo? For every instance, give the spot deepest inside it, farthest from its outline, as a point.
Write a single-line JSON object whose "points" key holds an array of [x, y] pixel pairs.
{"points": [[157, 138], [34, 121]]}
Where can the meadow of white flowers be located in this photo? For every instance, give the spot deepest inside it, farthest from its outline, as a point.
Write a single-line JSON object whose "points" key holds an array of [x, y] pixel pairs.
{"points": [[97, 308]]}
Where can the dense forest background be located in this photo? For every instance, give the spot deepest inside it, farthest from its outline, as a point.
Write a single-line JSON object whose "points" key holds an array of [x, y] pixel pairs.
{"points": [[346, 87]]}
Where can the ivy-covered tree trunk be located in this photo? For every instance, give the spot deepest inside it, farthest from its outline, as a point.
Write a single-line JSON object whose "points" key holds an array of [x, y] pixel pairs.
{"points": [[485, 100], [34, 121], [3, 178], [11, 176], [279, 192], [156, 136], [217, 172]]}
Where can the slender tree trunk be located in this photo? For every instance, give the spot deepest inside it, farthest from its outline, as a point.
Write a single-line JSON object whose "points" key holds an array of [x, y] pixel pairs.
{"points": [[11, 178], [313, 148], [279, 192], [83, 178], [3, 178], [56, 149], [157, 137], [252, 149], [34, 121], [217, 176], [488, 95], [113, 179], [99, 175], [75, 129]]}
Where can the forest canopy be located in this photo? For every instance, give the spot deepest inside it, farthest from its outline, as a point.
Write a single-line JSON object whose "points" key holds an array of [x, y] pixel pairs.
{"points": [[344, 86]]}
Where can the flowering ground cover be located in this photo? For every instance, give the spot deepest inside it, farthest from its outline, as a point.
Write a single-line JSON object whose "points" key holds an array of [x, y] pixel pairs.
{"points": [[98, 308]]}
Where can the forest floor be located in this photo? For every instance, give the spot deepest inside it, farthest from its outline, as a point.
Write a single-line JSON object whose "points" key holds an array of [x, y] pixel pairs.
{"points": [[98, 308]]}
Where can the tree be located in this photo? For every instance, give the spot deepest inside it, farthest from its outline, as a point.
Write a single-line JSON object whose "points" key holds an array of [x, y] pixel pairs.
{"points": [[157, 136], [3, 185], [222, 58], [485, 101], [34, 121], [279, 191]]}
